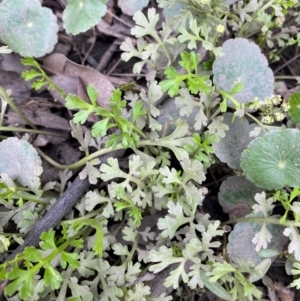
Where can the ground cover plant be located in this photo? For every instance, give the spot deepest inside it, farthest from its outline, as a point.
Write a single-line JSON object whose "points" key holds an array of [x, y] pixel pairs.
{"points": [[181, 184]]}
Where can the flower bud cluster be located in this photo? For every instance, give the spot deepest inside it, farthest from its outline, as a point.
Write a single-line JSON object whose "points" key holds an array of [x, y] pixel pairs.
{"points": [[279, 21], [270, 109]]}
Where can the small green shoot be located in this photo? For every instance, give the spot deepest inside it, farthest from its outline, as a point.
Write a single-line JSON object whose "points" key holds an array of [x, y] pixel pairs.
{"points": [[194, 82], [40, 77], [126, 131]]}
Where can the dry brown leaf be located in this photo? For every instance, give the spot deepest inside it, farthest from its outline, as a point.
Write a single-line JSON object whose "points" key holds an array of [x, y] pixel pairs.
{"points": [[239, 210], [39, 117], [11, 62], [20, 89], [115, 30], [69, 84], [59, 64], [10, 77], [283, 292], [42, 140], [38, 111], [109, 17]]}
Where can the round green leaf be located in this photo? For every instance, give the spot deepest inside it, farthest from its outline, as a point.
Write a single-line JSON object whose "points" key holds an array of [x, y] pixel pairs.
{"points": [[79, 16], [21, 162], [243, 63], [272, 161], [294, 110], [130, 7], [28, 28], [230, 148]]}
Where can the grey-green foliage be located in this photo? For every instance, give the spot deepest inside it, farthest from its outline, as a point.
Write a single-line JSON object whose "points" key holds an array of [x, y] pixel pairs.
{"points": [[158, 53], [33, 31], [130, 7], [236, 196], [174, 10], [248, 238], [181, 240], [18, 156], [199, 33], [179, 12], [230, 148], [229, 2], [243, 63], [242, 289], [195, 250], [146, 183]]}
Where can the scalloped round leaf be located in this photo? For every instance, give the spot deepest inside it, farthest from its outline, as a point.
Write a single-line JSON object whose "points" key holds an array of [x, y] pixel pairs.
{"points": [[21, 162], [272, 161], [243, 63], [174, 10], [79, 16], [229, 2], [28, 28], [130, 7], [294, 110], [236, 196], [230, 148], [240, 243]]}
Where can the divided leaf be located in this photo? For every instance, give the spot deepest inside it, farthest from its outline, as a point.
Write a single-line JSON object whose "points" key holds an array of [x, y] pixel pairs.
{"points": [[171, 222], [144, 27], [199, 33], [273, 161], [243, 63], [177, 140], [28, 28], [91, 171], [20, 282], [294, 245], [19, 156], [79, 291], [194, 82]]}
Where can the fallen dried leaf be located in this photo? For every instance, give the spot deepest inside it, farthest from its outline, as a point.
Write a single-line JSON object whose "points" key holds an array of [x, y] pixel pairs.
{"points": [[59, 64], [283, 292]]}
